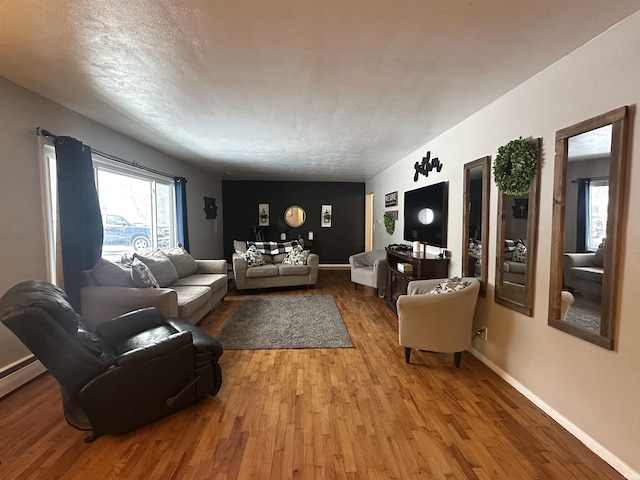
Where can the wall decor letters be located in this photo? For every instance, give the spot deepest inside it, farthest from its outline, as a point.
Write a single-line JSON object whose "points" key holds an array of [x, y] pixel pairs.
{"points": [[426, 166]]}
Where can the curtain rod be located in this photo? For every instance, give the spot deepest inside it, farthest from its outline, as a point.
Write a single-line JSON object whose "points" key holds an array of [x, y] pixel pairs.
{"points": [[45, 133], [588, 178]]}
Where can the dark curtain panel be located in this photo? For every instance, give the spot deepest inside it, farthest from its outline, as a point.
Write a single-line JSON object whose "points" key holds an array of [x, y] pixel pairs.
{"points": [[80, 220], [582, 213], [181, 212]]}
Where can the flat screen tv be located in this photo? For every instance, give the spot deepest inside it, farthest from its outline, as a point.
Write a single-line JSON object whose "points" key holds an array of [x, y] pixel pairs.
{"points": [[425, 214]]}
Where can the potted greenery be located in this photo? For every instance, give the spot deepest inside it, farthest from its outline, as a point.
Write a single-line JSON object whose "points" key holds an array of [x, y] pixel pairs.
{"points": [[389, 222], [515, 166]]}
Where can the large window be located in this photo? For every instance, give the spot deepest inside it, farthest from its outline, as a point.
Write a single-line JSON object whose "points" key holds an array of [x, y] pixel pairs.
{"points": [[138, 209], [598, 202]]}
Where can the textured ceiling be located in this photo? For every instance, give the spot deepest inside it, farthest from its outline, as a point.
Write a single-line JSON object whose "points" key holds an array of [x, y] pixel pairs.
{"points": [[323, 90]]}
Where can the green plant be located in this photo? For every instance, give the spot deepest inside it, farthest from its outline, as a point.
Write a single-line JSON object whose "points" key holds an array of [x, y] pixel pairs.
{"points": [[389, 222], [515, 166]]}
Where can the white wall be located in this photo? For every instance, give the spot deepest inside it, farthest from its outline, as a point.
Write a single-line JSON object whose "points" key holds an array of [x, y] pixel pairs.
{"points": [[594, 389], [22, 238]]}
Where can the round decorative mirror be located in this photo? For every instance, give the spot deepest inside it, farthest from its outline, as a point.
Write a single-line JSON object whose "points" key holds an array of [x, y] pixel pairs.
{"points": [[294, 216]]}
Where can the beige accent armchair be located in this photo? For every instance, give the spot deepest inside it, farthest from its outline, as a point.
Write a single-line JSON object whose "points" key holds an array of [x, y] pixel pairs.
{"points": [[369, 268], [437, 322]]}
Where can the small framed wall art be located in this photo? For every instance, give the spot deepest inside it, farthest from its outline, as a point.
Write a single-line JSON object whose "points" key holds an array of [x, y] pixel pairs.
{"points": [[263, 214], [326, 216], [391, 199]]}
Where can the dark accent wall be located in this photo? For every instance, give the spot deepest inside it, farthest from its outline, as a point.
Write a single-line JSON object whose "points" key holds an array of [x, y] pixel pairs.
{"points": [[333, 244]]}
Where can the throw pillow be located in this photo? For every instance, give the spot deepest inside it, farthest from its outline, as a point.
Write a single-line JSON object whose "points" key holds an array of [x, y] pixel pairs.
{"points": [[142, 276], [297, 256], [520, 253], [253, 257], [183, 262], [109, 274], [161, 267], [454, 284]]}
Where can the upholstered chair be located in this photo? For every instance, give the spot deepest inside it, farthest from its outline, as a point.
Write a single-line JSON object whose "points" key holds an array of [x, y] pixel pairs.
{"points": [[130, 371], [566, 300], [369, 268], [437, 322]]}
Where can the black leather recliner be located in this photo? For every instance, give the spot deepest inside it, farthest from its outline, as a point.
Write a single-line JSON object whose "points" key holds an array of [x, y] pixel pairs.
{"points": [[130, 371]]}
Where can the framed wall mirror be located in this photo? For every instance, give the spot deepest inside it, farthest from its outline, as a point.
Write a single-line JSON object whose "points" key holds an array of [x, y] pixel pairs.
{"points": [[516, 246], [476, 220], [588, 212], [295, 216]]}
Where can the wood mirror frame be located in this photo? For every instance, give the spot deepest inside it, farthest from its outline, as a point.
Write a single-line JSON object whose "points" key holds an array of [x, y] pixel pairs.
{"points": [[519, 297], [618, 119], [470, 267]]}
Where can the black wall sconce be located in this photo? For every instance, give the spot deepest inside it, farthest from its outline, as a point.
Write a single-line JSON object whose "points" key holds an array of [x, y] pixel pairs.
{"points": [[426, 166]]}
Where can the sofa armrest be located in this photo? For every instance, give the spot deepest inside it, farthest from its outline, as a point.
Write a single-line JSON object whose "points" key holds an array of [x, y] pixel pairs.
{"points": [[313, 260], [579, 259], [212, 266], [100, 304], [239, 270]]}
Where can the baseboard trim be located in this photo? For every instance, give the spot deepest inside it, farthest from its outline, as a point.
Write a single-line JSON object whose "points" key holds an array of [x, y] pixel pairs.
{"points": [[624, 469], [18, 378], [334, 266]]}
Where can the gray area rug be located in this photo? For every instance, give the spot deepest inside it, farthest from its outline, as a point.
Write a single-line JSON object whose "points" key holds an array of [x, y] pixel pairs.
{"points": [[284, 322], [585, 314]]}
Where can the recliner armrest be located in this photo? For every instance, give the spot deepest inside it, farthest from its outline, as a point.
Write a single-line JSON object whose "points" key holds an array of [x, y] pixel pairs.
{"points": [[162, 347], [129, 324]]}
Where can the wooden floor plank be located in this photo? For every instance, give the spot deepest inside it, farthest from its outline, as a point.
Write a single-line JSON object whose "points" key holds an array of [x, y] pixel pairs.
{"points": [[356, 413]]}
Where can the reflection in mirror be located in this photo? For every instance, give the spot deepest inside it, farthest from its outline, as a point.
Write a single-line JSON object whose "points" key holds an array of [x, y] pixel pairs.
{"points": [[588, 193], [294, 216], [516, 246], [475, 221]]}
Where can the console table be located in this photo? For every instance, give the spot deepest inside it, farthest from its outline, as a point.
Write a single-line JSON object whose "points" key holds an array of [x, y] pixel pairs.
{"points": [[424, 266]]}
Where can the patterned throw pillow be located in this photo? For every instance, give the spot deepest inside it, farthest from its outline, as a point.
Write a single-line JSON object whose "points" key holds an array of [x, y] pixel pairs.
{"points": [[520, 253], [454, 284], [297, 256], [253, 257], [142, 276], [475, 250]]}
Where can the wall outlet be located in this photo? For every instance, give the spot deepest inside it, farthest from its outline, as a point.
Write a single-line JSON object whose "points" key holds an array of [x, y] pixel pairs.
{"points": [[484, 330]]}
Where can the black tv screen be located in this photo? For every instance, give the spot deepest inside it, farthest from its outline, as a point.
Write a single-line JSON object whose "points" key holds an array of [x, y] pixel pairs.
{"points": [[425, 214]]}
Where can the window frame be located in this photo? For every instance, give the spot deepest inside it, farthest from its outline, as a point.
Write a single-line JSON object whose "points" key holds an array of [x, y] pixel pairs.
{"points": [[50, 206]]}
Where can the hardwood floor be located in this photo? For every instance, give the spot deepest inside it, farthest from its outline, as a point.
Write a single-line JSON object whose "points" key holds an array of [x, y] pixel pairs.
{"points": [[358, 413]]}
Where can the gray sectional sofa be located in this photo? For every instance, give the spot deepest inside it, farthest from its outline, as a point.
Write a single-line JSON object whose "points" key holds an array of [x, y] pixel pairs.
{"points": [[273, 273], [188, 288], [583, 272]]}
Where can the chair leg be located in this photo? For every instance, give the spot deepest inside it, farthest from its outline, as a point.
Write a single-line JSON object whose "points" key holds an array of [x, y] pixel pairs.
{"points": [[407, 354], [457, 357], [355, 285]]}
